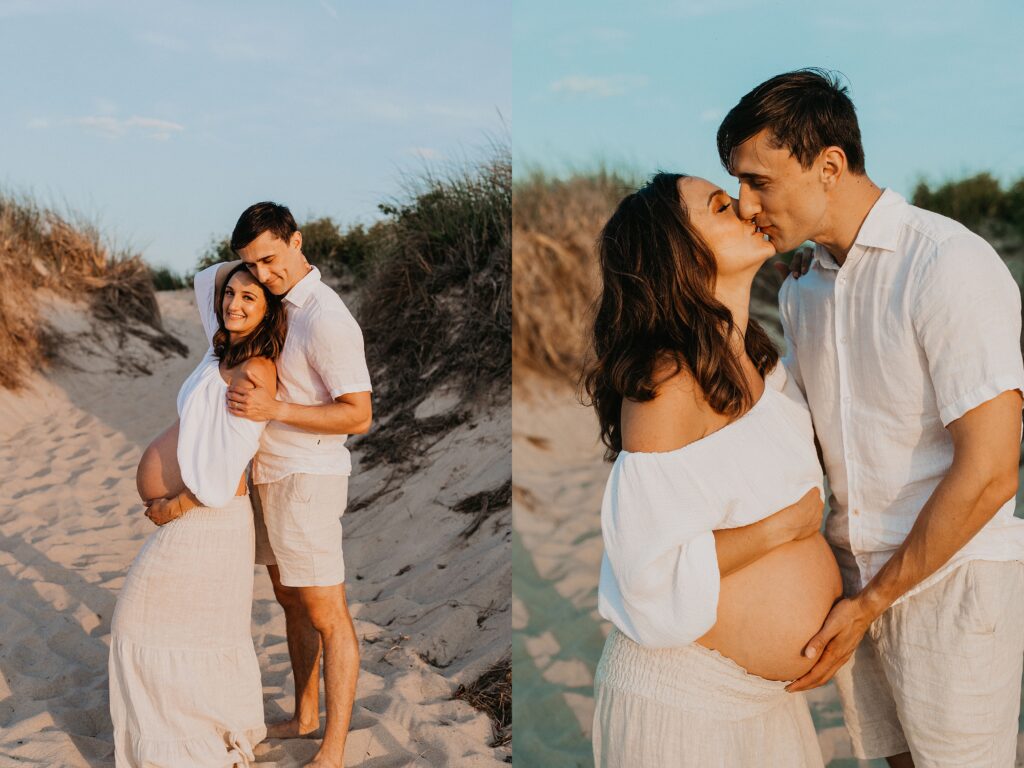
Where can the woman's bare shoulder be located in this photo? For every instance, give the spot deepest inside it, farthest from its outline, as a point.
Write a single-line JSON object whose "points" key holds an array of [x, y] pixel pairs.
{"points": [[259, 370], [676, 416]]}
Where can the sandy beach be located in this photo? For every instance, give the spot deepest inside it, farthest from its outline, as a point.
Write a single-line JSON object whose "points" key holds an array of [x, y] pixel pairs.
{"points": [[558, 482], [429, 586]]}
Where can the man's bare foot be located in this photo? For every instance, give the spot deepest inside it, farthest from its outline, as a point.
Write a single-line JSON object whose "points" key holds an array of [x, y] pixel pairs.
{"points": [[322, 759], [292, 729]]}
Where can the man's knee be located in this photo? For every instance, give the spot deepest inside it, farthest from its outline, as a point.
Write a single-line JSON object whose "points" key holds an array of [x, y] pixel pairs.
{"points": [[288, 597], [327, 608]]}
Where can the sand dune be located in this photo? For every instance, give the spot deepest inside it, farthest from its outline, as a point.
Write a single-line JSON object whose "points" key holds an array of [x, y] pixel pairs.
{"points": [[432, 607], [558, 482]]}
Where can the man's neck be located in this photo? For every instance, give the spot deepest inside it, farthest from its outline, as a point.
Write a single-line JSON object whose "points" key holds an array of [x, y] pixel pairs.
{"points": [[851, 206], [309, 268]]}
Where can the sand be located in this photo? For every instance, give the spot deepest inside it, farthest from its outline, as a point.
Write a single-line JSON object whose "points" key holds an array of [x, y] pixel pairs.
{"points": [[432, 608], [558, 483]]}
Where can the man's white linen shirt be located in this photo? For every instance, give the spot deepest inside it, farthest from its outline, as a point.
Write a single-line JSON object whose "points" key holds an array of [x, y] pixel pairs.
{"points": [[322, 359], [919, 325]]}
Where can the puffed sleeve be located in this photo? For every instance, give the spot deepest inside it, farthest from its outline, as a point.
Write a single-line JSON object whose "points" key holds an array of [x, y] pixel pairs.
{"points": [[659, 577], [967, 315], [204, 284]]}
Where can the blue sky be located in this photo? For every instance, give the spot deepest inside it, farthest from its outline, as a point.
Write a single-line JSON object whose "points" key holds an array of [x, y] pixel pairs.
{"points": [[938, 86], [163, 121]]}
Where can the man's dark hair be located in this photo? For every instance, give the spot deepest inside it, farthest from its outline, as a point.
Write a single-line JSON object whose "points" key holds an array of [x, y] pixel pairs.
{"points": [[260, 218], [804, 112]]}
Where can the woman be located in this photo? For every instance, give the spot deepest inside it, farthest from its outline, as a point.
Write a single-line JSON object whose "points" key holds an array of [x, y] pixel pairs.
{"points": [[185, 689], [715, 575]]}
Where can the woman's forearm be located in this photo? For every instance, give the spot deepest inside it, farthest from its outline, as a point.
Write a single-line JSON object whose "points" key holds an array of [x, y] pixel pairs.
{"points": [[739, 547]]}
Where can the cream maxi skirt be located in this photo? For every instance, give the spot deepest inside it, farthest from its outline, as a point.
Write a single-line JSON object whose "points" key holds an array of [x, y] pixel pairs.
{"points": [[691, 706], [185, 688]]}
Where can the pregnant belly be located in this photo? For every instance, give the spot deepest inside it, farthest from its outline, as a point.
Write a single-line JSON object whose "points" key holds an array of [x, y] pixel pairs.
{"points": [[768, 610], [158, 475]]}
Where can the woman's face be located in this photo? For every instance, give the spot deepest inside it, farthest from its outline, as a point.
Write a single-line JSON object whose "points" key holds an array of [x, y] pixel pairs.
{"points": [[738, 246], [244, 304]]}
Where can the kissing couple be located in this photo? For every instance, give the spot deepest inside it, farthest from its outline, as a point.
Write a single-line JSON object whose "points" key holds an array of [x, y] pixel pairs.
{"points": [[282, 384], [902, 376]]}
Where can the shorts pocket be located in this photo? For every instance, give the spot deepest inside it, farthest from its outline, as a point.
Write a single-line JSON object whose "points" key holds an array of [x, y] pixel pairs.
{"points": [[300, 488], [979, 603]]}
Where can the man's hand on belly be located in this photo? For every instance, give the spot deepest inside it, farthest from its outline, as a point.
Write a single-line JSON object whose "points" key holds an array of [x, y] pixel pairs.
{"points": [[835, 642]]}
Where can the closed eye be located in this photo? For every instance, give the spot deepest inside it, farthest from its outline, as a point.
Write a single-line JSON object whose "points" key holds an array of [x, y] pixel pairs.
{"points": [[725, 207]]}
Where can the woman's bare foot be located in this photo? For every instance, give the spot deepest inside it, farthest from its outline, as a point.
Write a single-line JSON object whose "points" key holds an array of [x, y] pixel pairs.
{"points": [[292, 729]]}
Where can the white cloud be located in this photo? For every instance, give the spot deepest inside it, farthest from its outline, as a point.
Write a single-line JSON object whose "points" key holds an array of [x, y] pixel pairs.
{"points": [[426, 153], [600, 87], [114, 128], [712, 115], [38, 122]]}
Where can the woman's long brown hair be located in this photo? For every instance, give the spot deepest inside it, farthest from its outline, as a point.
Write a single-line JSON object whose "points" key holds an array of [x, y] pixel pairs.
{"points": [[658, 306], [265, 340]]}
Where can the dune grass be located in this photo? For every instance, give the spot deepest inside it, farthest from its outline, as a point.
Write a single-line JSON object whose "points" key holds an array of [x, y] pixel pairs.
{"points": [[42, 250], [555, 278]]}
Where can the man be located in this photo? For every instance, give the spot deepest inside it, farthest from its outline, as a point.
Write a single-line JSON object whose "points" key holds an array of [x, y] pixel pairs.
{"points": [[904, 337], [301, 471]]}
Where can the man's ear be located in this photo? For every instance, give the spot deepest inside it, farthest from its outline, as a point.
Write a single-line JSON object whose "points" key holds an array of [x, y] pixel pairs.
{"points": [[297, 240], [833, 165]]}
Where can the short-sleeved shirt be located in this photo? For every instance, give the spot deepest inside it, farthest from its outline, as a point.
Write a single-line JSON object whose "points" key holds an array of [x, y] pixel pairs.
{"points": [[919, 325], [322, 359]]}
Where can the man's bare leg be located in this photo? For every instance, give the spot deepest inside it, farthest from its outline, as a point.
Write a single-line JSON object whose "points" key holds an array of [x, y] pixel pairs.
{"points": [[327, 609], [902, 760], [304, 652]]}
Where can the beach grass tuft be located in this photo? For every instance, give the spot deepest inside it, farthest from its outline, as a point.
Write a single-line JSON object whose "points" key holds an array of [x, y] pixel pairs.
{"points": [[491, 693], [44, 251]]}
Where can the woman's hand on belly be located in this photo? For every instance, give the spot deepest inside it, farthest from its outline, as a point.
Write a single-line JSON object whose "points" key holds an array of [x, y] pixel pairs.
{"points": [[768, 610]]}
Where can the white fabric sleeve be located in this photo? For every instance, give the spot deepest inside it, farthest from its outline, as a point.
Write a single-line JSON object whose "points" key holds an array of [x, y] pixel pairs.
{"points": [[335, 352], [657, 528], [205, 284], [967, 317]]}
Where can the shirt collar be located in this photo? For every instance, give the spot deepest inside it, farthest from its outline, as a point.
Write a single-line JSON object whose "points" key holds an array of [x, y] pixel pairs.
{"points": [[881, 228], [302, 289]]}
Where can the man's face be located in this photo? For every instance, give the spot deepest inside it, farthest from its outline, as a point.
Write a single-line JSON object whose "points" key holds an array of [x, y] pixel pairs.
{"points": [[787, 201], [275, 263]]}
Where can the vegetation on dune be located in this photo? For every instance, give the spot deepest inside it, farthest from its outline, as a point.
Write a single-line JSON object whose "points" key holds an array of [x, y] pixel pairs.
{"points": [[978, 202], [343, 254], [42, 250], [555, 279]]}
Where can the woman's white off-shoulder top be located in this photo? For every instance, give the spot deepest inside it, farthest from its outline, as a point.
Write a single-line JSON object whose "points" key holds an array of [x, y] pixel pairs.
{"points": [[659, 575], [214, 446]]}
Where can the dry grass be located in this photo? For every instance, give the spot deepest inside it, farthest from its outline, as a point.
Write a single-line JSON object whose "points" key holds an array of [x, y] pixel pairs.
{"points": [[491, 693], [555, 277], [41, 250]]}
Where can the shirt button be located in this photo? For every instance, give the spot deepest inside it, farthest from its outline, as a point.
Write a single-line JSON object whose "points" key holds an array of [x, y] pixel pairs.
{"points": [[856, 511], [842, 340]]}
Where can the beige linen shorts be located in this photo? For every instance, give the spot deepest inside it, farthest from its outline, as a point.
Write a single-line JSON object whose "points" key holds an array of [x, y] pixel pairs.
{"points": [[298, 528], [939, 675]]}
